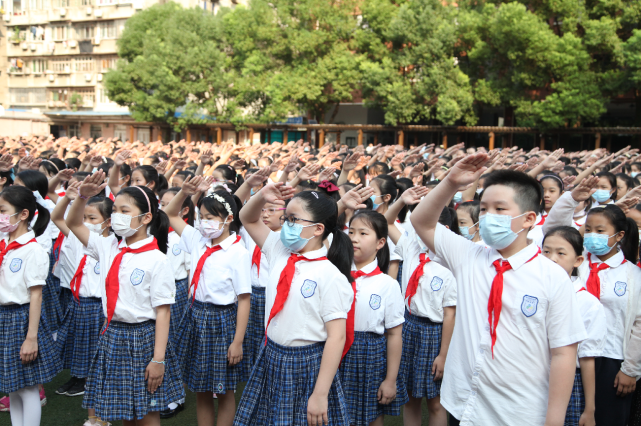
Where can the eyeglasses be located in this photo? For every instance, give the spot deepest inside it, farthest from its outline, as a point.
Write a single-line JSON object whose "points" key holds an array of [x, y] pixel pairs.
{"points": [[291, 220], [271, 211]]}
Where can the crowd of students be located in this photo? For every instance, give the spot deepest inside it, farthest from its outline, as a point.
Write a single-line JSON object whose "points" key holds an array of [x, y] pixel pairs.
{"points": [[341, 285]]}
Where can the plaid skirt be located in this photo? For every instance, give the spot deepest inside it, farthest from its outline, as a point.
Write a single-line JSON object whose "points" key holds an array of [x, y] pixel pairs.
{"points": [[577, 402], [65, 297], [280, 385], [14, 324], [178, 308], [421, 345], [362, 371], [255, 334], [51, 307], [205, 334], [79, 333], [116, 385]]}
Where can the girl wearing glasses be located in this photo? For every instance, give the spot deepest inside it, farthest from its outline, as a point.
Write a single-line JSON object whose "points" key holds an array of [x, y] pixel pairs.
{"points": [[308, 297]]}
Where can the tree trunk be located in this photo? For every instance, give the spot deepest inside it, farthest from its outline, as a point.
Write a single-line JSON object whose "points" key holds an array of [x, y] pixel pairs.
{"points": [[331, 120]]}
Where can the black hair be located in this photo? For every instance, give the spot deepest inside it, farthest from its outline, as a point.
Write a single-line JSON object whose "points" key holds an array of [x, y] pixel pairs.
{"points": [[73, 163], [185, 174], [151, 175], [613, 182], [334, 195], [105, 207], [61, 165], [569, 234], [473, 208], [187, 203], [554, 177], [449, 218], [159, 225], [324, 210], [9, 176], [629, 182], [379, 167], [630, 242], [229, 173], [388, 186], [125, 170], [51, 168], [528, 193], [22, 198], [403, 184], [308, 185], [570, 171], [216, 208], [35, 181], [378, 223]]}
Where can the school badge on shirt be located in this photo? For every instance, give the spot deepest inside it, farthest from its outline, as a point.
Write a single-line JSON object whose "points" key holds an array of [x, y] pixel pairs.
{"points": [[96, 268], [375, 301], [619, 288], [436, 283], [15, 265], [136, 276], [529, 305], [308, 288], [175, 250]]}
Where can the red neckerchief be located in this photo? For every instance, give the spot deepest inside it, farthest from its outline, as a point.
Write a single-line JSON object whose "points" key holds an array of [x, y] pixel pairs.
{"points": [[285, 284], [412, 284], [593, 284], [58, 246], [256, 259], [495, 302], [4, 248], [112, 283], [77, 278], [542, 221], [349, 338], [201, 263]]}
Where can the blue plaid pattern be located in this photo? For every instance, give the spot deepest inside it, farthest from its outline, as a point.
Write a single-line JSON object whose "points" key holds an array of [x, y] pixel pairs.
{"points": [[178, 308], [255, 334], [116, 386], [79, 333], [362, 371], [51, 308], [421, 345], [577, 402], [14, 324], [65, 297], [280, 384], [205, 334], [399, 277]]}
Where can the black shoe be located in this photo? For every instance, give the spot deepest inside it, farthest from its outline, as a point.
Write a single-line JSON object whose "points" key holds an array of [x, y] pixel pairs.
{"points": [[77, 389], [62, 390], [169, 413]]}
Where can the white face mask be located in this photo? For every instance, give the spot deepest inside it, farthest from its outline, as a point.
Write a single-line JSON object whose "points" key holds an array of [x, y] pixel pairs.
{"points": [[120, 223], [95, 227], [210, 228]]}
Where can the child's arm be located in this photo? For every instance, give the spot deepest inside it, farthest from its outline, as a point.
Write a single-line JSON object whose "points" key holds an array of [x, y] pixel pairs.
{"points": [[29, 349], [349, 163], [625, 381], [562, 212], [58, 213], [155, 372], [310, 171], [250, 214], [62, 176], [114, 174], [449, 316], [354, 199], [202, 188], [588, 380], [562, 368], [204, 158], [290, 167], [91, 186], [235, 351], [244, 192], [387, 389], [548, 163], [410, 197], [189, 188], [317, 403]]}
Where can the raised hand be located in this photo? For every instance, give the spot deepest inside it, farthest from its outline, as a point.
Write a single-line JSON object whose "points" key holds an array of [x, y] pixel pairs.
{"points": [[417, 170], [291, 164], [551, 160], [207, 182], [161, 167], [6, 163], [467, 170], [414, 194], [626, 204], [308, 172], [191, 186], [277, 193], [259, 177], [354, 198], [327, 174], [205, 157], [35, 163], [92, 185], [122, 157], [65, 174], [351, 161], [584, 190], [72, 190], [95, 161]]}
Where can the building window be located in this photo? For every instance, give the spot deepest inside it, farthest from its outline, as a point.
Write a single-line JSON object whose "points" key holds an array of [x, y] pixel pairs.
{"points": [[74, 130], [107, 30], [85, 32], [84, 64], [106, 64], [27, 96], [144, 135], [102, 96], [60, 65], [96, 131], [38, 66], [59, 32], [106, 2], [120, 132], [86, 2], [60, 3]]}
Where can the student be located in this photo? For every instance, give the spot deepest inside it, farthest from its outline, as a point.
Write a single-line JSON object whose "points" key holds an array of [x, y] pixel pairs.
{"points": [[211, 334], [139, 289], [386, 191], [535, 323], [429, 290], [468, 220], [308, 297], [606, 189], [29, 356], [564, 246], [369, 371], [611, 244]]}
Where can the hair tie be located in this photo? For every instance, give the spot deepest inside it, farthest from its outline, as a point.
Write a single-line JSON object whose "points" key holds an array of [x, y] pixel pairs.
{"points": [[146, 197], [328, 186], [39, 199]]}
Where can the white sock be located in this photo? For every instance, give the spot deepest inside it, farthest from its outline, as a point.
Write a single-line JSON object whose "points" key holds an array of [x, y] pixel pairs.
{"points": [[31, 409]]}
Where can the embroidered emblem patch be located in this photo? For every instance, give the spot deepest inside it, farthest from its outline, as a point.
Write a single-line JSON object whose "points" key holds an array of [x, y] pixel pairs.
{"points": [[136, 276], [175, 250], [375, 301], [220, 388], [529, 305], [308, 288], [96, 268], [436, 283], [152, 402], [15, 265], [619, 288]]}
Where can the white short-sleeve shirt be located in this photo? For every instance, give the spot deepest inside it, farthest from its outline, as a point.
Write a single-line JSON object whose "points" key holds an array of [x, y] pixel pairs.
{"points": [[258, 278], [319, 293], [21, 269], [379, 303], [539, 312], [179, 259], [594, 321], [225, 273], [436, 287], [90, 284], [393, 255], [68, 260], [146, 279]]}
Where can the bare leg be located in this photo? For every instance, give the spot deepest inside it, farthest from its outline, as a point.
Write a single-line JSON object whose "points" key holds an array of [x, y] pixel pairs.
{"points": [[438, 415], [412, 412], [205, 411]]}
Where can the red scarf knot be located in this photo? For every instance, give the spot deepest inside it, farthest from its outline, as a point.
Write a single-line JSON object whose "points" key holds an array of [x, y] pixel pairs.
{"points": [[58, 245], [77, 278], [412, 285], [593, 284], [256, 259]]}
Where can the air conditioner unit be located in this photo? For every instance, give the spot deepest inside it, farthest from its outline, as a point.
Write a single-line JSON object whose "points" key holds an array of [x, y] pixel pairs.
{"points": [[48, 72], [67, 69], [88, 77], [95, 41], [89, 10], [23, 45], [138, 4], [52, 77], [98, 14], [99, 77], [73, 43], [63, 12], [32, 47], [51, 104], [7, 17]]}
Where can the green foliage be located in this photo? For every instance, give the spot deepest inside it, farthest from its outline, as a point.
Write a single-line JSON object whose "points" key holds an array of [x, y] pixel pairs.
{"points": [[75, 101]]}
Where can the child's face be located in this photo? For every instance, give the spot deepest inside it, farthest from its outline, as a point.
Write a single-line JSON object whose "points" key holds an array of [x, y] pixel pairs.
{"points": [[177, 181], [271, 215], [137, 179], [635, 168], [560, 251], [635, 215], [218, 176], [599, 224], [364, 240], [551, 192], [207, 215], [604, 183], [380, 199], [93, 215], [500, 199], [464, 219], [622, 188], [10, 209], [166, 199], [125, 204]]}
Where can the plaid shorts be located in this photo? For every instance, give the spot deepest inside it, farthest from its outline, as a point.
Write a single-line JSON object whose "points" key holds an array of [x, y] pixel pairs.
{"points": [[14, 324], [255, 334], [421, 346], [79, 333], [280, 384], [577, 402], [51, 307], [116, 386], [178, 308], [205, 334], [362, 371]]}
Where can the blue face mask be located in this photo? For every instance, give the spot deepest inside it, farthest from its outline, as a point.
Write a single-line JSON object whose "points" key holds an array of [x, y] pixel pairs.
{"points": [[290, 236], [374, 204], [458, 197], [465, 231], [601, 195], [634, 174], [597, 244], [496, 230]]}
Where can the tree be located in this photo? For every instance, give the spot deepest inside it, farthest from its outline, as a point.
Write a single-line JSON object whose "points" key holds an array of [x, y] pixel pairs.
{"points": [[408, 62]]}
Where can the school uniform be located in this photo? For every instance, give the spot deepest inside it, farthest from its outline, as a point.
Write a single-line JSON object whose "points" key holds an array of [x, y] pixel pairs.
{"points": [[65, 257], [181, 264], [379, 306], [539, 312], [562, 214], [594, 321], [24, 265], [208, 327], [79, 332], [423, 328], [536, 233], [285, 372], [116, 387], [255, 334]]}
